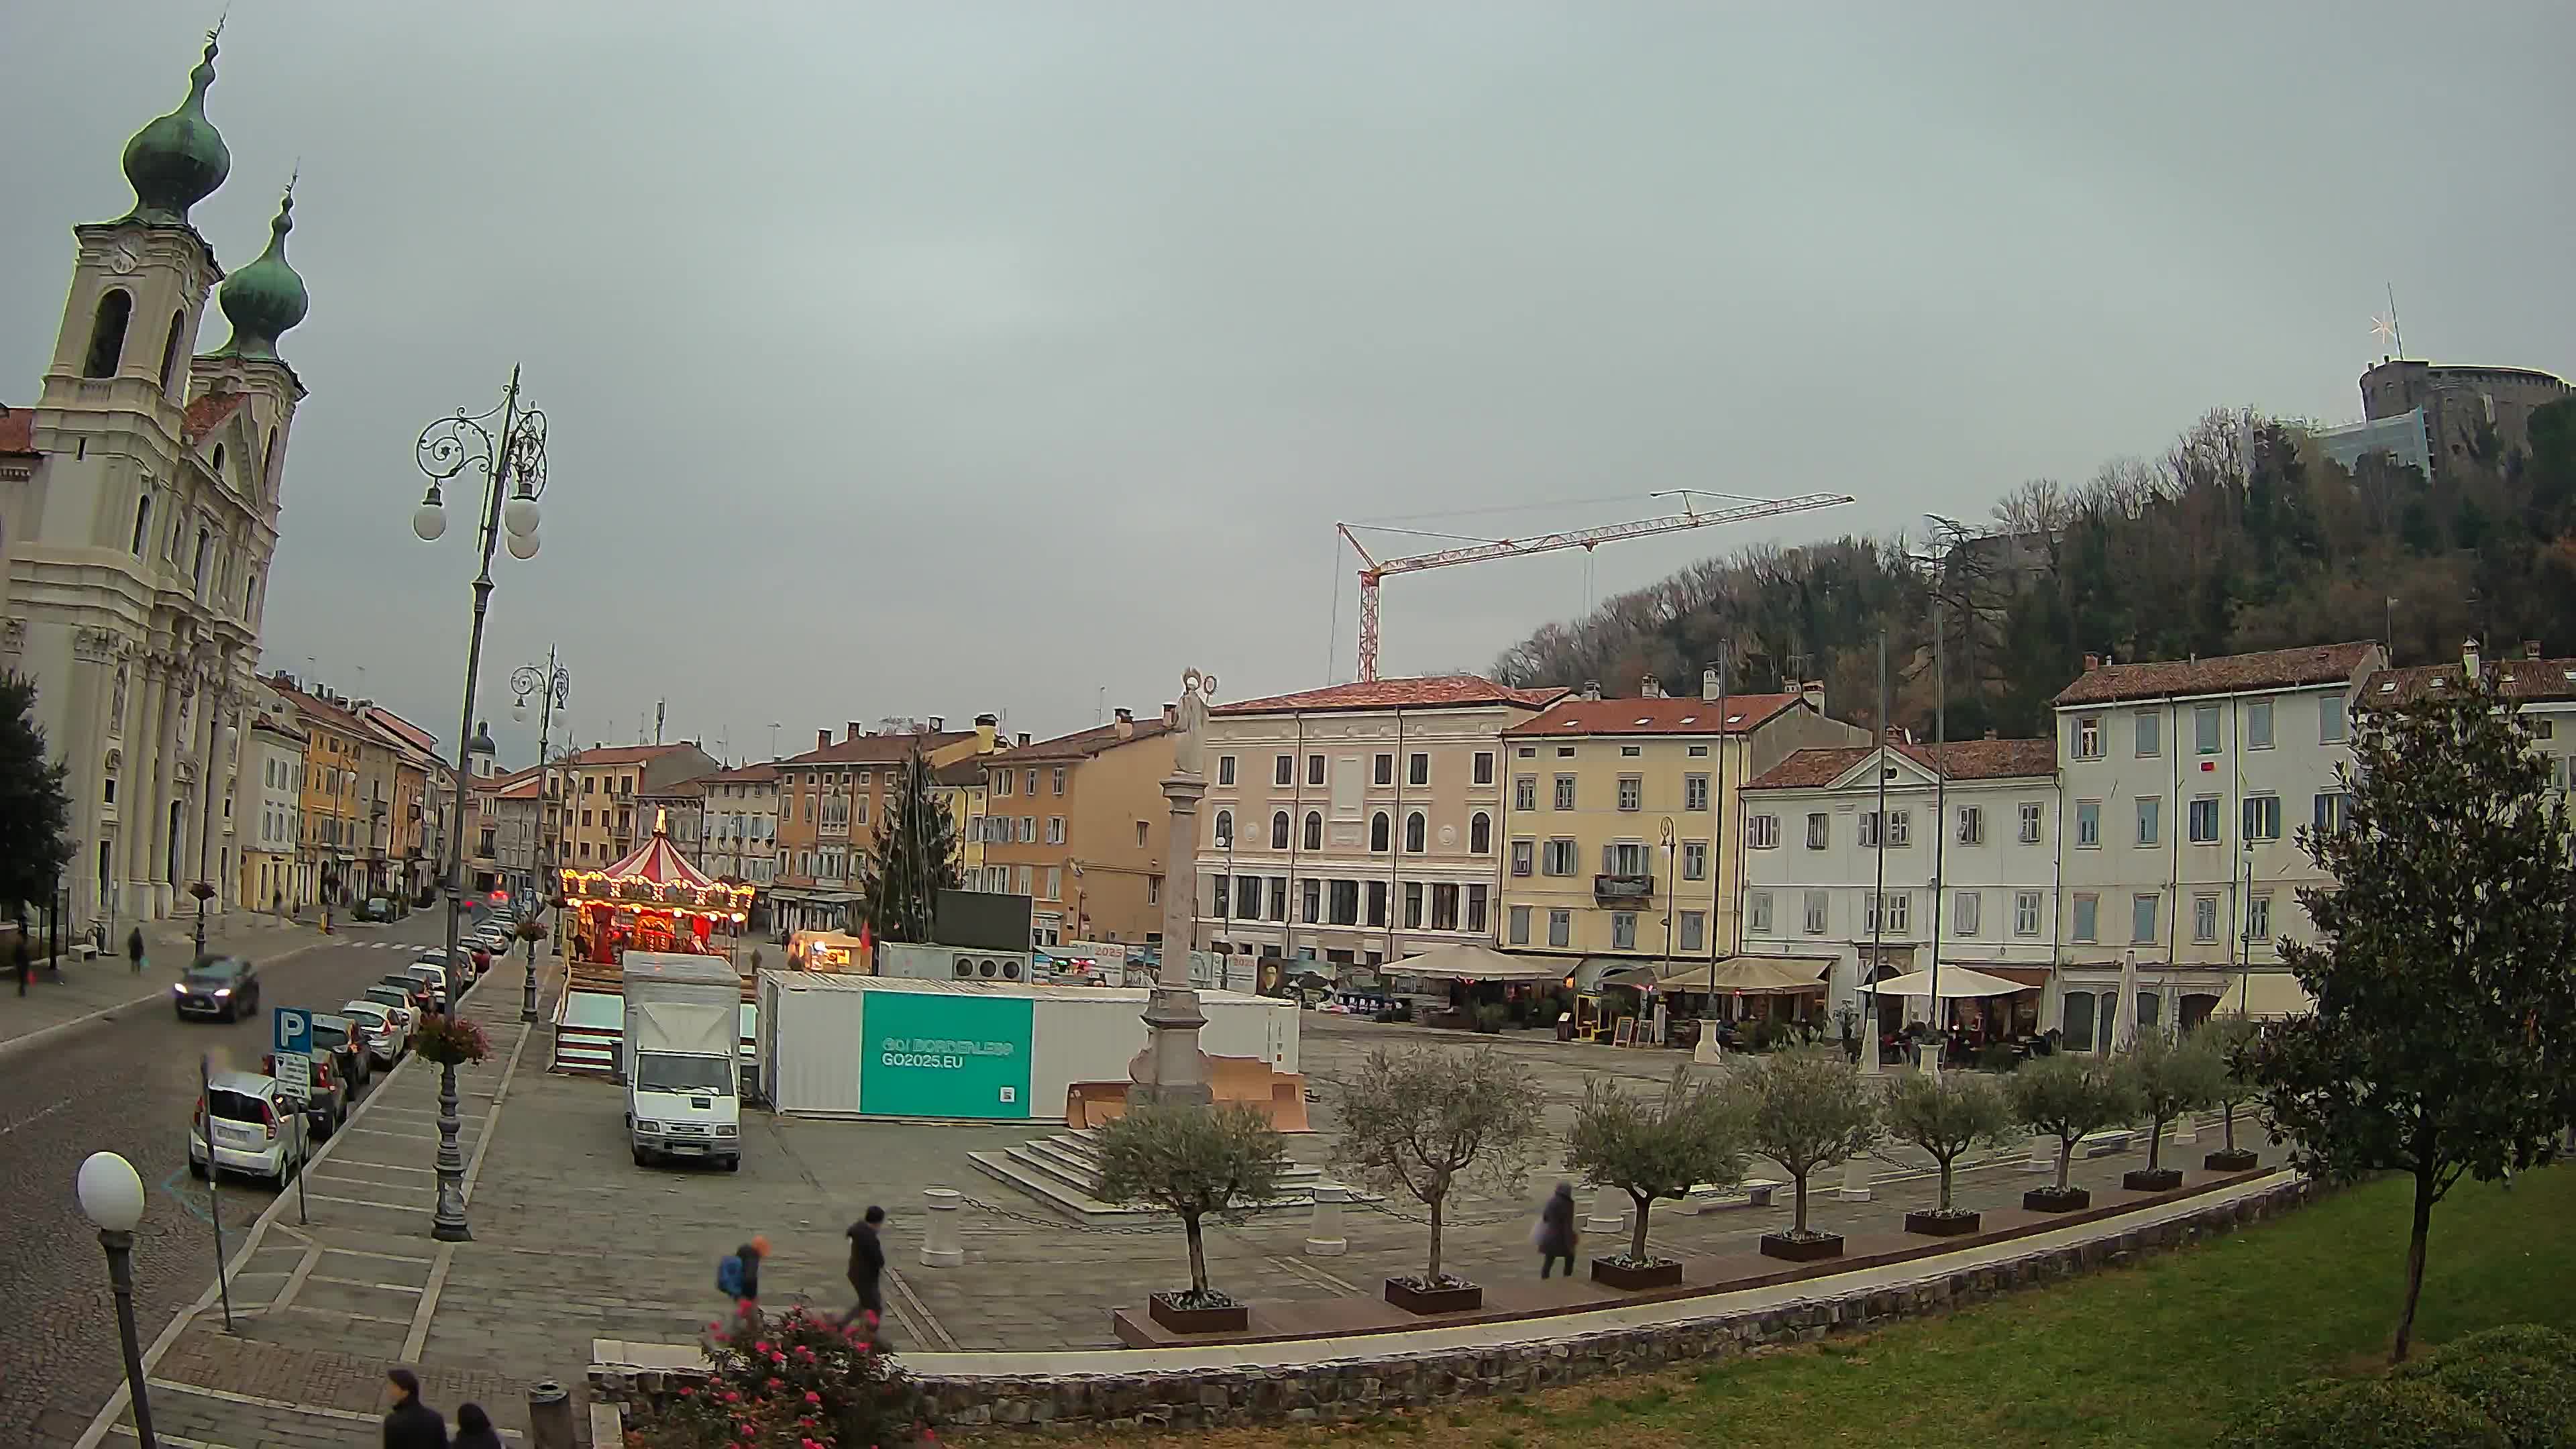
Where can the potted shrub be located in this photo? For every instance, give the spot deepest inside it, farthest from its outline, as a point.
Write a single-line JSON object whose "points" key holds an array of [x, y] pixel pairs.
{"points": [[2167, 1079], [2230, 1038], [1654, 1147], [1193, 1161], [1946, 1116], [1807, 1110], [2065, 1097], [1426, 1121]]}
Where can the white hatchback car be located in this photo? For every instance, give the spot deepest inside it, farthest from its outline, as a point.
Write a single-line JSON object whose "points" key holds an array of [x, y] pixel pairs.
{"points": [[386, 1037], [254, 1133]]}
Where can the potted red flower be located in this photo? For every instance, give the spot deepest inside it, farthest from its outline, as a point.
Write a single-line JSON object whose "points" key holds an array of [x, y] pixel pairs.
{"points": [[451, 1040]]}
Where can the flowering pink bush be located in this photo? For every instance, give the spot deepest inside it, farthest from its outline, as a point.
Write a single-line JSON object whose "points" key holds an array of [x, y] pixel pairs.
{"points": [[789, 1380]]}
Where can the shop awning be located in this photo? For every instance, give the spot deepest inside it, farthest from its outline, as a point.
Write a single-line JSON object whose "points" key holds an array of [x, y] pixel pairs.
{"points": [[1478, 963], [1747, 975], [2030, 978], [2262, 994], [1956, 982]]}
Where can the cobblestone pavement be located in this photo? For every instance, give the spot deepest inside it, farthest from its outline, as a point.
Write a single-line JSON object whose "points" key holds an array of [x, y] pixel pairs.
{"points": [[126, 1085], [573, 1242]]}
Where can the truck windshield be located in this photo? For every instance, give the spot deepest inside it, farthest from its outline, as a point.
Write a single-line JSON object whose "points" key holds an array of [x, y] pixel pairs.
{"points": [[662, 1072]]}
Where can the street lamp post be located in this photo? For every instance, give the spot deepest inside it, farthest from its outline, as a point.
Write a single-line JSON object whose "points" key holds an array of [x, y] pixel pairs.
{"points": [[111, 1196], [513, 465], [553, 686]]}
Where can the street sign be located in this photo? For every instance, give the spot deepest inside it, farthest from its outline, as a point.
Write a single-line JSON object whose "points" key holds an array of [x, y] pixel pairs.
{"points": [[291, 1038]]}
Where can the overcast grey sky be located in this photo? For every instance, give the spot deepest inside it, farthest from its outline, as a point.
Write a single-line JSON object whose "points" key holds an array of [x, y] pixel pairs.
{"points": [[932, 359]]}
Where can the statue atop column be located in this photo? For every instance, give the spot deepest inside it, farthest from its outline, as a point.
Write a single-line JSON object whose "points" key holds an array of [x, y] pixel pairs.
{"points": [[1189, 736]]}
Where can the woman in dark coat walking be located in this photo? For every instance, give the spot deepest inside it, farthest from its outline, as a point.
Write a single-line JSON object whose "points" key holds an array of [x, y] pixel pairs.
{"points": [[474, 1429], [1556, 1237]]}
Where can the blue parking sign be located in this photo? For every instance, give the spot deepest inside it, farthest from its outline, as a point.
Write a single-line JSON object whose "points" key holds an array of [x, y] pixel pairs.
{"points": [[291, 1031]]}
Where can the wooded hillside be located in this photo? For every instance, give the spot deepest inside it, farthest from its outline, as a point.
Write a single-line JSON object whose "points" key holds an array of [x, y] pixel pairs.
{"points": [[2241, 536]]}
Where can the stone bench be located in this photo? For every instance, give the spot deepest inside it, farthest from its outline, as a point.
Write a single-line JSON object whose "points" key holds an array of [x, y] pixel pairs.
{"points": [[1752, 1192], [2108, 1143]]}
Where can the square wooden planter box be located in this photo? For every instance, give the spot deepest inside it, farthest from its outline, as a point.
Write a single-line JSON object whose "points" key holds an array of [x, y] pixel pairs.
{"points": [[2156, 1179], [1662, 1273], [1464, 1298], [1802, 1250], [2050, 1200], [1234, 1318], [2239, 1160], [1942, 1225]]}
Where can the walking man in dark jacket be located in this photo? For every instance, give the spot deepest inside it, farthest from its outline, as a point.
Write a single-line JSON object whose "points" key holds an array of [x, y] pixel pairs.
{"points": [[134, 947], [867, 1268], [1556, 1231], [410, 1424]]}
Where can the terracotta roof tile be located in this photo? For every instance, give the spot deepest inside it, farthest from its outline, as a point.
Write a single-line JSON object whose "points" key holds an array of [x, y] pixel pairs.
{"points": [[1080, 745], [2226, 674], [619, 754], [208, 413], [754, 774], [17, 430], [1572, 716], [1958, 760], [2516, 678], [1435, 691], [878, 749]]}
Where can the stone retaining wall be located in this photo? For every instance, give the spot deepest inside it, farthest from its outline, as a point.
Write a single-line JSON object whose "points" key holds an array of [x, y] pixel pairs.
{"points": [[1359, 1386]]}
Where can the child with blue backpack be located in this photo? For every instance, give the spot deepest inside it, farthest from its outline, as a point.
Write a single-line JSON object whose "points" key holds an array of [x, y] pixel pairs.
{"points": [[738, 1273]]}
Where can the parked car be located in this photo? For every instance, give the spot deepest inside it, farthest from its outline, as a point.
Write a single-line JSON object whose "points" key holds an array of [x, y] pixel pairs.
{"points": [[375, 908], [251, 1134], [424, 997], [339, 1036], [398, 1003], [326, 1105], [223, 987], [386, 1039], [434, 976]]}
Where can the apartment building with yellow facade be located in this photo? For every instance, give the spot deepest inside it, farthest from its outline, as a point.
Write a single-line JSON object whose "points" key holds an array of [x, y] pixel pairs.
{"points": [[592, 811], [1079, 825], [832, 798], [337, 745], [1622, 824], [1358, 824]]}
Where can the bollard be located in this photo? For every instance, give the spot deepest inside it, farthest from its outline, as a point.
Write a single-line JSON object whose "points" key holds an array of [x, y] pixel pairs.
{"points": [[1609, 1212], [1855, 1181], [1324, 1237], [940, 1246], [2186, 1129], [549, 1416], [2043, 1154]]}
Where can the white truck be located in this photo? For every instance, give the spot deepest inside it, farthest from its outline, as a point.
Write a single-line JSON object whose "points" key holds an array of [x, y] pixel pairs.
{"points": [[683, 1029]]}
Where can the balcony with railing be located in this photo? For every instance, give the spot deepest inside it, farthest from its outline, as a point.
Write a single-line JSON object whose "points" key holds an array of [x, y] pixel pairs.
{"points": [[1623, 889]]}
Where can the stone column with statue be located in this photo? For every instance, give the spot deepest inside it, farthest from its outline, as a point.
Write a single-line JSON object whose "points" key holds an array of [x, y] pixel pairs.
{"points": [[1171, 1068]]}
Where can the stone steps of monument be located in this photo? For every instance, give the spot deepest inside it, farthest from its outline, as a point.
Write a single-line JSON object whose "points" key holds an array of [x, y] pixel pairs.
{"points": [[1065, 1175]]}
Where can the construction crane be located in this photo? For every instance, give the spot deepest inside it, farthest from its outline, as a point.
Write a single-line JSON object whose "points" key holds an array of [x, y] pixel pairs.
{"points": [[1376, 569]]}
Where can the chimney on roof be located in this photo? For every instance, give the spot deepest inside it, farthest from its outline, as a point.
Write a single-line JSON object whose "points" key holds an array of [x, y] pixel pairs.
{"points": [[2468, 659], [1990, 734], [939, 724], [1709, 687], [2531, 649], [1592, 689], [988, 729], [1022, 738], [2092, 662], [1813, 692], [853, 730], [822, 739], [1126, 724], [1650, 688], [1171, 714]]}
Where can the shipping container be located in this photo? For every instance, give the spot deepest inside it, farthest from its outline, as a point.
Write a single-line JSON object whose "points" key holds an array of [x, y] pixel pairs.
{"points": [[877, 1046]]}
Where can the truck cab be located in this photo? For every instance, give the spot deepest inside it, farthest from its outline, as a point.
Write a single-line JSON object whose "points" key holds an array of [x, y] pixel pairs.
{"points": [[680, 1059]]}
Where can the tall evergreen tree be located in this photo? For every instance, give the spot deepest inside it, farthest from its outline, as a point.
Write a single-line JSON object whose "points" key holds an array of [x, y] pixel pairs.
{"points": [[915, 858], [35, 813], [2443, 1043]]}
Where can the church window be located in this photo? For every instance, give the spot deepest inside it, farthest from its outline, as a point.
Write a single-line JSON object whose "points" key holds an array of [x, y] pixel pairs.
{"points": [[170, 351], [142, 522], [205, 551], [107, 334], [219, 462]]}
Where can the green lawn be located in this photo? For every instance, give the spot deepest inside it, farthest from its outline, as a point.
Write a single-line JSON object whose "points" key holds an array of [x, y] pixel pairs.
{"points": [[2155, 1354]]}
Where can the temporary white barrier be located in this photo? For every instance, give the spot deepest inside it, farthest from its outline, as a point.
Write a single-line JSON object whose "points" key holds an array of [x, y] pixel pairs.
{"points": [[874, 1046]]}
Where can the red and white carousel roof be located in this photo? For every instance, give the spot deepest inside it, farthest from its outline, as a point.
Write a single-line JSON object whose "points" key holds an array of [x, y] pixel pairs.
{"points": [[655, 873]]}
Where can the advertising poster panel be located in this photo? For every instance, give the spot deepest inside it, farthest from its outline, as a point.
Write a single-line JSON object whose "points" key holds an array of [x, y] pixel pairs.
{"points": [[930, 1054]]}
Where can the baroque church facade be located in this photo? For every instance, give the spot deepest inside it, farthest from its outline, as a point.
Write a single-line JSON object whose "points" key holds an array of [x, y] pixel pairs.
{"points": [[139, 508]]}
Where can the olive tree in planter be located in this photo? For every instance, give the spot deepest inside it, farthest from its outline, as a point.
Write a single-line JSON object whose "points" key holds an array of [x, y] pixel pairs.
{"points": [[1947, 1116], [2230, 1039], [2168, 1079], [1426, 1121], [2065, 1097], [1653, 1147], [1193, 1161], [1808, 1110]]}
